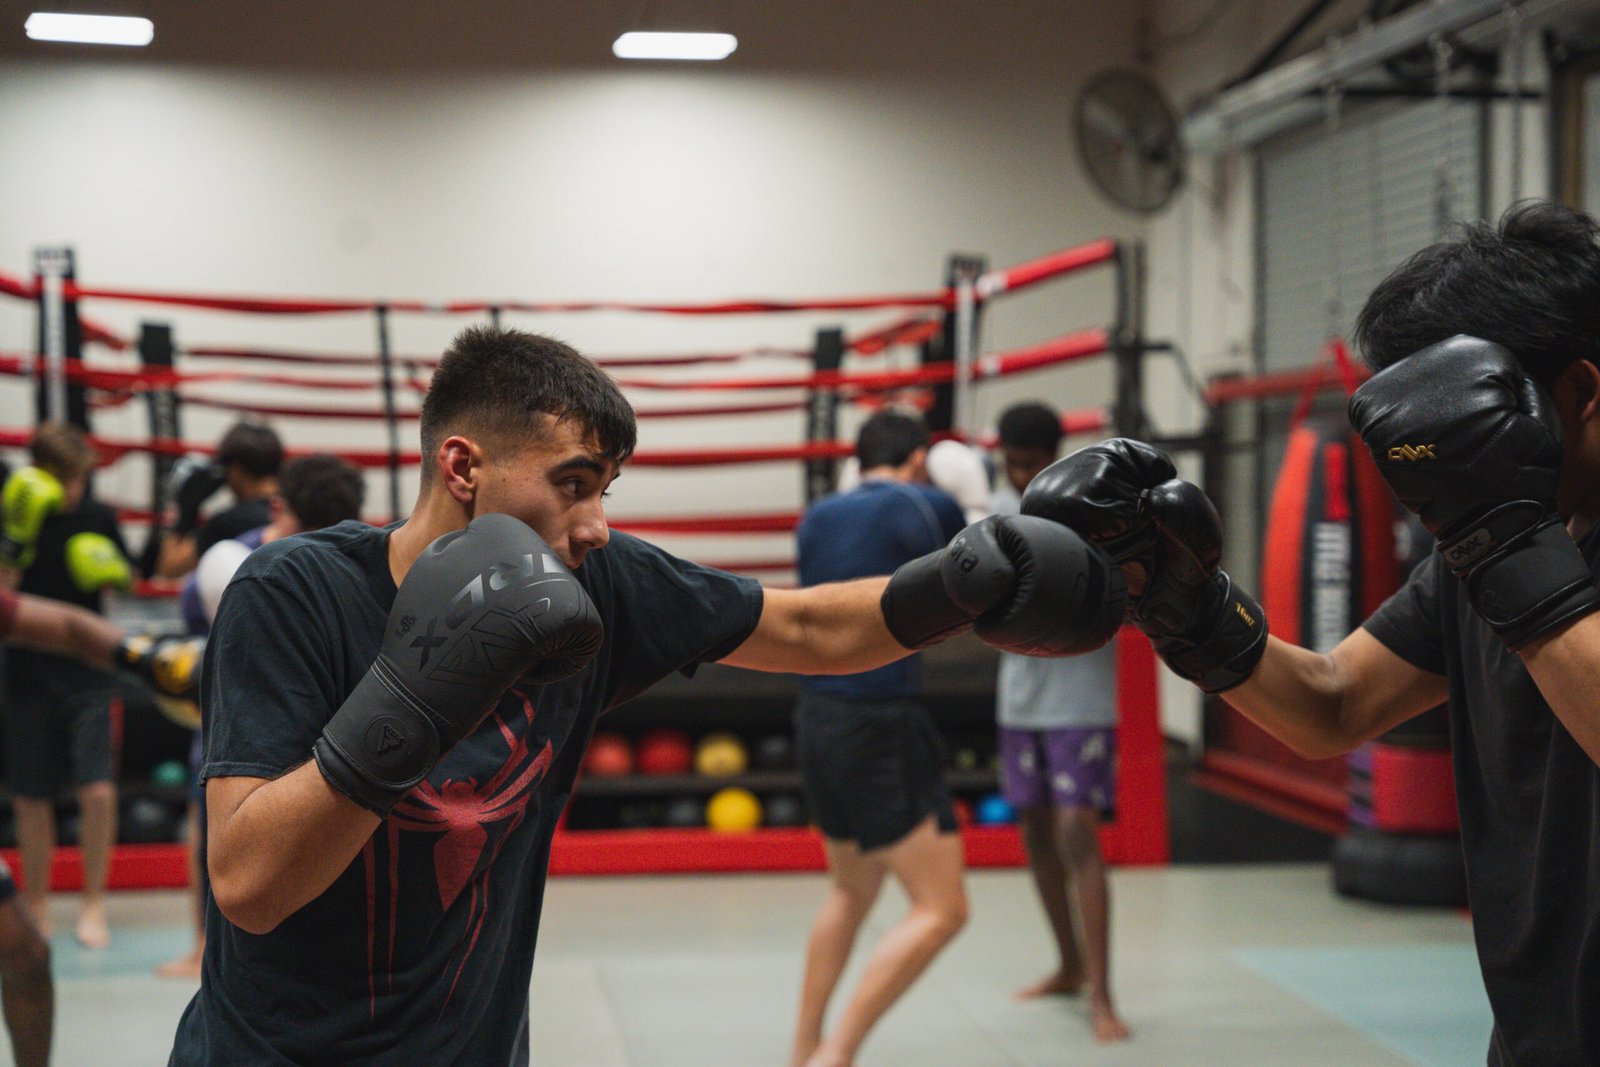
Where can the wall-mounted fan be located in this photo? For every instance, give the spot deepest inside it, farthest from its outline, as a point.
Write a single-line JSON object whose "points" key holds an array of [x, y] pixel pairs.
{"points": [[1128, 138]]}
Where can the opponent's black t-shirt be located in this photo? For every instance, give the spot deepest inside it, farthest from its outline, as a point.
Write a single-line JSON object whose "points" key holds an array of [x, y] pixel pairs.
{"points": [[231, 522], [47, 576], [421, 951], [1529, 799]]}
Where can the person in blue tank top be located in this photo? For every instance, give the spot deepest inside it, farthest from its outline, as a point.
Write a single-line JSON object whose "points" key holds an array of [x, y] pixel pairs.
{"points": [[870, 753]]}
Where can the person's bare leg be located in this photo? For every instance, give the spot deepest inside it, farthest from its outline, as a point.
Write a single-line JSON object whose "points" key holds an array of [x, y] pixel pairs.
{"points": [[929, 865], [97, 802], [188, 965], [1042, 839], [856, 882], [36, 841], [1080, 844], [27, 995]]}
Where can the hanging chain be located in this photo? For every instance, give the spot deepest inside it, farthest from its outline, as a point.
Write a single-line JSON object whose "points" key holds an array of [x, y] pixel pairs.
{"points": [[1333, 106], [1514, 44], [1444, 186]]}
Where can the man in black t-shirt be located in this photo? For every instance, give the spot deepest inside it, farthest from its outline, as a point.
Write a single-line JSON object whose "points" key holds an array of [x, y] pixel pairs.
{"points": [[379, 903], [1484, 417]]}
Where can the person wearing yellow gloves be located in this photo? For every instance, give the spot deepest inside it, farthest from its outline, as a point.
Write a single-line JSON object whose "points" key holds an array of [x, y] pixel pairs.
{"points": [[62, 718]]}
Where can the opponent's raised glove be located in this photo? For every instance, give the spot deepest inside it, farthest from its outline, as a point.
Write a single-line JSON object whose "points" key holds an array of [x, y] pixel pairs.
{"points": [[1473, 445], [30, 496], [480, 609], [1037, 587], [191, 483], [1126, 498]]}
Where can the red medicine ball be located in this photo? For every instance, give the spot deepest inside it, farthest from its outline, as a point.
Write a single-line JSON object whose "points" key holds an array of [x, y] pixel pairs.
{"points": [[665, 752], [609, 756]]}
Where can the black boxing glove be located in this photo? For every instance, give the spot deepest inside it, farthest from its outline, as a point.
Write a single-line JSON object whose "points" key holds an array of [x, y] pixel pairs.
{"points": [[1037, 587], [191, 483], [917, 608], [1164, 533], [1473, 445], [480, 609]]}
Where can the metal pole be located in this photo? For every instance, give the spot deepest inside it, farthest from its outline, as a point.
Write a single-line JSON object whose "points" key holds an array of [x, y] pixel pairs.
{"points": [[52, 267], [822, 414], [386, 366]]}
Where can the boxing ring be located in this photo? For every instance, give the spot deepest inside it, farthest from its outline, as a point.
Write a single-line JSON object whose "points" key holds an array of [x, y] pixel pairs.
{"points": [[923, 349]]}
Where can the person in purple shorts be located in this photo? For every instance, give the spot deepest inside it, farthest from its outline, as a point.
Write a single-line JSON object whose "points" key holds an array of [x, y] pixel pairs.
{"points": [[1057, 724]]}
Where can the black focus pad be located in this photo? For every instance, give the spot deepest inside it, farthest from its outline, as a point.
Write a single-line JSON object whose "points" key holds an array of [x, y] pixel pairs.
{"points": [[1068, 597], [1457, 428]]}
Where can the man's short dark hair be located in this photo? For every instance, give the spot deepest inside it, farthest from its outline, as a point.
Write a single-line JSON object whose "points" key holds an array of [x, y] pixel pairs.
{"points": [[322, 490], [1531, 284], [253, 447], [1030, 425], [888, 438], [492, 382]]}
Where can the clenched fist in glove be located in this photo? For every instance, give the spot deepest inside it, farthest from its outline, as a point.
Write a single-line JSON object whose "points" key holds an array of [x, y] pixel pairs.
{"points": [[1473, 446], [1126, 498], [479, 610], [1024, 585]]}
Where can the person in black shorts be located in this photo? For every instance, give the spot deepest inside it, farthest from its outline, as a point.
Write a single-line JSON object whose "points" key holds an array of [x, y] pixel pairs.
{"points": [[63, 721], [1484, 417], [395, 717], [870, 754]]}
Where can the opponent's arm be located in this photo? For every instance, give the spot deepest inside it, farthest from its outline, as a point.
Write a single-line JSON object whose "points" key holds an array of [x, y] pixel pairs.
{"points": [[64, 629], [1323, 704]]}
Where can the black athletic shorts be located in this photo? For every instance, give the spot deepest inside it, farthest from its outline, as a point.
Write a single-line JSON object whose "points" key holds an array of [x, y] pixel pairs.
{"points": [[63, 725], [874, 769]]}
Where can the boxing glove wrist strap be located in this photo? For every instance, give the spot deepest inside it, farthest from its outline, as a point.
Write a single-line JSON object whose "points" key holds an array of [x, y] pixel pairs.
{"points": [[1223, 651], [1522, 572], [918, 609], [379, 744]]}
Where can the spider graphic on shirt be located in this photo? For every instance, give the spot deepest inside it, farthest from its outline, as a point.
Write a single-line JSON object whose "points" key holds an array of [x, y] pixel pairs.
{"points": [[473, 821]]}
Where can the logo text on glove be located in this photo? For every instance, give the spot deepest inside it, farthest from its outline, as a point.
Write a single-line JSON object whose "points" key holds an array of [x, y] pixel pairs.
{"points": [[1411, 453]]}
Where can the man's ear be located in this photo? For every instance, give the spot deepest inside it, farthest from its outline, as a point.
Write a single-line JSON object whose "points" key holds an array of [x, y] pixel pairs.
{"points": [[460, 463], [1577, 390]]}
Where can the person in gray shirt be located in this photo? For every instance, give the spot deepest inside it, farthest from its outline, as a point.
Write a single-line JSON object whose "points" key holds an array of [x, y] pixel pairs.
{"points": [[1057, 738]]}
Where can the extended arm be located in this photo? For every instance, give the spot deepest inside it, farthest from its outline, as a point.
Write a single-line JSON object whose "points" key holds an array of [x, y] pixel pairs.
{"points": [[835, 628], [1323, 704]]}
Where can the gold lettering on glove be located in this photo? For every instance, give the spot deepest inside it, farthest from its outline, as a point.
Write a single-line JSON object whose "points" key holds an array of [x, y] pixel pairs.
{"points": [[1411, 453]]}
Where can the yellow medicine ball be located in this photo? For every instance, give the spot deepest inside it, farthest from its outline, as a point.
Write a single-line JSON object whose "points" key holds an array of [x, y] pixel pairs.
{"points": [[720, 754], [733, 810]]}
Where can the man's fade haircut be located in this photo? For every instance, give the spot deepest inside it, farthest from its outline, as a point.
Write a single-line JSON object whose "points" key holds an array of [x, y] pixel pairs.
{"points": [[1031, 424], [322, 490], [1532, 284], [494, 382], [253, 446], [888, 438]]}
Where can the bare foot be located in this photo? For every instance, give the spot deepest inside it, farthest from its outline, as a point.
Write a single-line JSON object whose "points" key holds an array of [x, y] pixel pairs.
{"points": [[1059, 984], [1107, 1027], [92, 929], [802, 1053], [185, 966], [826, 1057]]}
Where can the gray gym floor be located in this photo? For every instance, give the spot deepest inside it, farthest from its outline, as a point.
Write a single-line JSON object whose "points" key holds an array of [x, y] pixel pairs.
{"points": [[1242, 965]]}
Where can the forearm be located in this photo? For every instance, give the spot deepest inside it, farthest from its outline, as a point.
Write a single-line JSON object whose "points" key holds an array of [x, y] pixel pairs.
{"points": [[1296, 695], [280, 845], [66, 630], [1564, 664], [843, 631]]}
